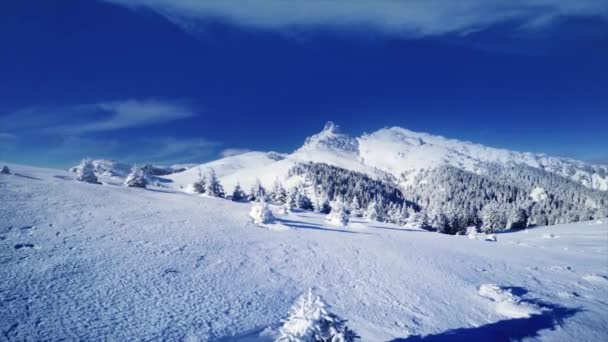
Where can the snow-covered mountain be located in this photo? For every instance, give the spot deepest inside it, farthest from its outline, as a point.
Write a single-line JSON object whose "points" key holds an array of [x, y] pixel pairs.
{"points": [[393, 151]]}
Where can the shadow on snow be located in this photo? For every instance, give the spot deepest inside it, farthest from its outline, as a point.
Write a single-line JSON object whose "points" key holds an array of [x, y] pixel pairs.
{"points": [[506, 330], [306, 225]]}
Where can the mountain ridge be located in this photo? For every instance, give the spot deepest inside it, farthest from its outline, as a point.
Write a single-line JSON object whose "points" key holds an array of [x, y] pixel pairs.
{"points": [[398, 152]]}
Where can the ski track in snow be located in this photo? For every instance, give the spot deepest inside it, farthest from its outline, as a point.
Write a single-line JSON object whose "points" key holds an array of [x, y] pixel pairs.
{"points": [[101, 262]]}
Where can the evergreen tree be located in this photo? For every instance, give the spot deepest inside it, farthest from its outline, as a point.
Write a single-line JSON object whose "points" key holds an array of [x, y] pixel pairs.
{"points": [[5, 170], [493, 219], [373, 212], [302, 201], [321, 204], [257, 193], [355, 207], [213, 186], [339, 214], [517, 219], [261, 214], [292, 198], [419, 219], [200, 186], [85, 172], [137, 178], [238, 195], [278, 193], [309, 320]]}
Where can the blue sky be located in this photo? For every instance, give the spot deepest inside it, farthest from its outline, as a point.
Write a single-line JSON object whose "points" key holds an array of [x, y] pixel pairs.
{"points": [[188, 81]]}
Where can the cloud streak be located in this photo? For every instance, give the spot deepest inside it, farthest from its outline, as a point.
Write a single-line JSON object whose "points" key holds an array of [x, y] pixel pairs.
{"points": [[229, 152], [403, 17], [128, 114], [96, 117]]}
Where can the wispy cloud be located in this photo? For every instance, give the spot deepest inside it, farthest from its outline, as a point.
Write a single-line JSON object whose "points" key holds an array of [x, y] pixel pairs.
{"points": [[229, 152], [96, 117], [132, 113], [67, 150], [404, 17], [59, 136], [7, 136]]}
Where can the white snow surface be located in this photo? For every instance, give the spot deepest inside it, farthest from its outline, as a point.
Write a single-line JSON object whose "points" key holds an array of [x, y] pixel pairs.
{"points": [[394, 151], [93, 262]]}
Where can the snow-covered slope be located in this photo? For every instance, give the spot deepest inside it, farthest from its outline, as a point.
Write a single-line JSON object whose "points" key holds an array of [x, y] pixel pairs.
{"points": [[100, 262], [395, 151], [329, 146], [229, 168]]}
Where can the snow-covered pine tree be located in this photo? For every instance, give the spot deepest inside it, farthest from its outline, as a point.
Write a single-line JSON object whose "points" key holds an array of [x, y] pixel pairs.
{"points": [[393, 213], [355, 207], [257, 193], [419, 219], [278, 193], [373, 212], [339, 214], [85, 172], [213, 187], [238, 195], [309, 320], [292, 197], [493, 219], [302, 200], [517, 219], [137, 178], [200, 185], [5, 170], [260, 213], [321, 203]]}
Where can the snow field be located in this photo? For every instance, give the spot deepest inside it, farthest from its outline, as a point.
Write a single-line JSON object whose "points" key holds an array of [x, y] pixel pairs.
{"points": [[93, 262]]}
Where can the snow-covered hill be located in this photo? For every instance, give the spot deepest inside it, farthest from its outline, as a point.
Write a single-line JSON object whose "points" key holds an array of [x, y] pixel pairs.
{"points": [[101, 262], [394, 151]]}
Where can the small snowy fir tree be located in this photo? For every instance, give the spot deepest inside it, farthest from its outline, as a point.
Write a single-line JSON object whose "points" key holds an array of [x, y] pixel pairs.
{"points": [[5, 170], [338, 215], [355, 207], [321, 203], [85, 172], [137, 178], [238, 195], [200, 185], [257, 193], [310, 321], [260, 213], [278, 193], [213, 187], [292, 198], [373, 212], [302, 200]]}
